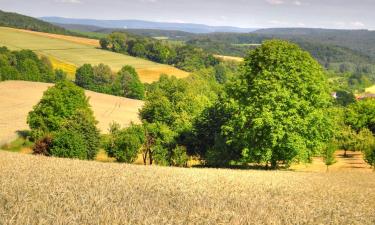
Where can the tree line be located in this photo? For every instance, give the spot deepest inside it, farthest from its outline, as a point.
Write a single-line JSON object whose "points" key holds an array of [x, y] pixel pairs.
{"points": [[185, 57], [274, 110], [26, 65]]}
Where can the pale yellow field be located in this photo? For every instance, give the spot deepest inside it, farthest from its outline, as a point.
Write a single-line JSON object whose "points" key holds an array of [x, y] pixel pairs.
{"points": [[77, 51], [229, 58], [18, 97], [371, 89], [42, 190]]}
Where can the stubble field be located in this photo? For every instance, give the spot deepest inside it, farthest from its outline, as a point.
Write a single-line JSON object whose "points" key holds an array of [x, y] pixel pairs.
{"points": [[41, 190], [77, 51], [18, 97]]}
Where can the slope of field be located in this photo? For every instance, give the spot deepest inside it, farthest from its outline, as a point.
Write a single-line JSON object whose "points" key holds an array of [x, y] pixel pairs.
{"points": [[77, 51], [41, 190], [229, 58], [18, 97]]}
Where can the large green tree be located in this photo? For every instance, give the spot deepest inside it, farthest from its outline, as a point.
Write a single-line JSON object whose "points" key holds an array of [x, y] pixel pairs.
{"points": [[278, 106], [361, 115], [58, 103]]}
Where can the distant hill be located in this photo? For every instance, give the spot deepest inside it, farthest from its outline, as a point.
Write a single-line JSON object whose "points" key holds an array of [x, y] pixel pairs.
{"points": [[142, 32], [358, 40], [15, 20], [140, 24]]}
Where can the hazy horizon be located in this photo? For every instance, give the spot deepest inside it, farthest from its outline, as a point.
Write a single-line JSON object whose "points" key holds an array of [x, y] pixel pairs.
{"points": [[330, 14]]}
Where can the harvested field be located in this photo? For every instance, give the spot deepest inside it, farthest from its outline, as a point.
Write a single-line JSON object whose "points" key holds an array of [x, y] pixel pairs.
{"points": [[18, 97], [41, 190], [371, 89], [229, 58], [76, 52]]}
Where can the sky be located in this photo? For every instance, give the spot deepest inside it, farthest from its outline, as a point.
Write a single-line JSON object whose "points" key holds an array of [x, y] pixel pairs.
{"points": [[340, 14]]}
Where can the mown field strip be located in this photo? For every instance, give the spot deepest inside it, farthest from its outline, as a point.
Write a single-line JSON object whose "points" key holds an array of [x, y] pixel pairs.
{"points": [[18, 97], [77, 54]]}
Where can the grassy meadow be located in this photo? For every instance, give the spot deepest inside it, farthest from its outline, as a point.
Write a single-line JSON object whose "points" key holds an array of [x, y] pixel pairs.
{"points": [[41, 190], [21, 96], [76, 51]]}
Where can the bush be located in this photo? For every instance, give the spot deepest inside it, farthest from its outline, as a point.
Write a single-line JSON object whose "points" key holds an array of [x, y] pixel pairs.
{"points": [[124, 145], [179, 156], [43, 146], [69, 144]]}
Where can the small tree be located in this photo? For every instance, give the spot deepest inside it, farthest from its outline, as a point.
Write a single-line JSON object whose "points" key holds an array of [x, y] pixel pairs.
{"points": [[347, 139], [57, 105], [129, 84], [125, 144], [329, 154], [366, 144]]}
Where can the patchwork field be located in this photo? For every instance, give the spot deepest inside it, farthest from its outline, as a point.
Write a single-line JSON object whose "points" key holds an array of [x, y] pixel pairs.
{"points": [[77, 51], [41, 190], [18, 97]]}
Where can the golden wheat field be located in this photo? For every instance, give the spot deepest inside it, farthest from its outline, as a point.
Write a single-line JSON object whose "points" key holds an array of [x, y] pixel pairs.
{"points": [[18, 97], [42, 190], [78, 51]]}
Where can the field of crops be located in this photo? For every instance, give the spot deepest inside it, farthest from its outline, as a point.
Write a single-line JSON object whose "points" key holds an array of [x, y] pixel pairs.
{"points": [[18, 97], [41, 190], [371, 90], [77, 51]]}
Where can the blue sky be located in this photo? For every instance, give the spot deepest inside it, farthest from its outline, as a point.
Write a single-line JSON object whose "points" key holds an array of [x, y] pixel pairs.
{"points": [[342, 14]]}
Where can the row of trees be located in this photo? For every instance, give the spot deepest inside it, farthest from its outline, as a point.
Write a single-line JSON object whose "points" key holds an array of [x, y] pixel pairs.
{"points": [[184, 57], [26, 65], [100, 78], [277, 111]]}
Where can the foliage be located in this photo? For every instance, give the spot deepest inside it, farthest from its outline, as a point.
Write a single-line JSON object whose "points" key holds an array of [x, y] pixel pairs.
{"points": [[68, 144], [347, 139], [25, 65], [124, 144], [329, 153], [43, 146], [58, 103], [278, 106], [185, 57], [101, 79], [361, 115]]}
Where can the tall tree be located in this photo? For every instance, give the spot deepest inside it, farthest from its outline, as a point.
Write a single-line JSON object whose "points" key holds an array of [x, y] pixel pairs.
{"points": [[279, 106]]}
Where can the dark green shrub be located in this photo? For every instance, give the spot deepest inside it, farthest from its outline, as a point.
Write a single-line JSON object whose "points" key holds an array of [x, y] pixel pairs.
{"points": [[69, 144]]}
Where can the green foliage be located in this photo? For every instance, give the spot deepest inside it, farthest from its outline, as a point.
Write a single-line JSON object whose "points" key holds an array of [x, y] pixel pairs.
{"points": [[125, 144], [278, 106], [347, 138], [361, 115], [8, 19], [58, 104], [329, 153], [366, 144], [101, 79], [68, 144], [25, 65], [184, 57], [129, 84]]}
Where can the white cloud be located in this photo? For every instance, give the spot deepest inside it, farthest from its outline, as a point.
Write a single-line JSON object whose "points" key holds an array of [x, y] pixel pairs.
{"points": [[357, 24], [275, 2], [69, 1], [297, 3], [149, 1], [278, 22]]}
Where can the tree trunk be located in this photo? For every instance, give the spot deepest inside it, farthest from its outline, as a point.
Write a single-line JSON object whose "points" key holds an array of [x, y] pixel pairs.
{"points": [[345, 153], [145, 157], [273, 164]]}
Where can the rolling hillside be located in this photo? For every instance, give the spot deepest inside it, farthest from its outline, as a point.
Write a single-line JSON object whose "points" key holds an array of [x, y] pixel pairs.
{"points": [[77, 51], [18, 97]]}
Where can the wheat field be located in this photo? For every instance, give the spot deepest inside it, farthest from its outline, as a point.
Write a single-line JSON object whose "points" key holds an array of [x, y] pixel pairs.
{"points": [[371, 89], [42, 190], [77, 51], [18, 97]]}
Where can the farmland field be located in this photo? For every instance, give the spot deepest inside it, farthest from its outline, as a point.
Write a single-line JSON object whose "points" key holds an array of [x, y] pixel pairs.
{"points": [[77, 51], [41, 190], [229, 58], [371, 89], [18, 97]]}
